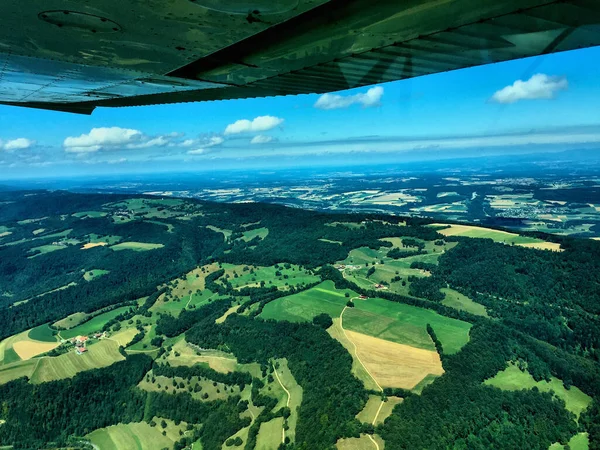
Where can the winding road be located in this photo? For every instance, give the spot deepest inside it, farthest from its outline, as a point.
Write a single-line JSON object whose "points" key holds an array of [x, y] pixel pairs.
{"points": [[365, 367], [288, 400]]}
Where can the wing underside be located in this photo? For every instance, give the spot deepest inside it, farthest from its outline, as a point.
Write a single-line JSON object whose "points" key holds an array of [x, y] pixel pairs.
{"points": [[78, 55]]}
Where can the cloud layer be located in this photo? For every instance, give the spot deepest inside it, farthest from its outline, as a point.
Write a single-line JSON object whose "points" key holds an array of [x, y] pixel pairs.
{"points": [[17, 144], [367, 99], [539, 86], [99, 138], [259, 124]]}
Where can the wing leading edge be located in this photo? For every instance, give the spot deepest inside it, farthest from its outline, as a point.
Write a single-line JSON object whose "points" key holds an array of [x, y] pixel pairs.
{"points": [[76, 57]]}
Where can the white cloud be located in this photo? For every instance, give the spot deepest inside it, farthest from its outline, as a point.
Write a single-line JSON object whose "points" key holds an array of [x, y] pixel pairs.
{"points": [[99, 138], [199, 151], [188, 143], [261, 139], [117, 161], [539, 86], [261, 123], [159, 141], [367, 99], [17, 144]]}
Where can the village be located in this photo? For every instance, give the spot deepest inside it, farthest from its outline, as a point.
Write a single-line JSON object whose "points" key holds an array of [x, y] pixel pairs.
{"points": [[80, 342]]}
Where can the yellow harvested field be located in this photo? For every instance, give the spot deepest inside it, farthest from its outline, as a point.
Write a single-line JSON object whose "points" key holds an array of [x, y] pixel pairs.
{"points": [[395, 365], [543, 246], [27, 349], [94, 244], [358, 370]]}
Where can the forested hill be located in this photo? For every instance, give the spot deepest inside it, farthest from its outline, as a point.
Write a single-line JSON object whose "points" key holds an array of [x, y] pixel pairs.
{"points": [[176, 323]]}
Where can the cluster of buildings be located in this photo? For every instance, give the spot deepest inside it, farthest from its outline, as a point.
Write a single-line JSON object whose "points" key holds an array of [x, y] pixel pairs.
{"points": [[80, 342]]}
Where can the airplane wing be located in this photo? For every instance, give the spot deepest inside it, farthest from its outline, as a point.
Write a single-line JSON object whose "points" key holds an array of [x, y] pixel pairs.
{"points": [[76, 55]]}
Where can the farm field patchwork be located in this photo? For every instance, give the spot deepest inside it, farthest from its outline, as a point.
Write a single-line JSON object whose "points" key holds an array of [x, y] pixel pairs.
{"points": [[405, 324]]}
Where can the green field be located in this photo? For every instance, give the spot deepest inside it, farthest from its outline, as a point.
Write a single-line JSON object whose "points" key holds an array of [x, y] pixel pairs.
{"points": [[251, 234], [101, 354], [164, 384], [270, 434], [136, 436], [17, 369], [226, 233], [136, 246], [578, 442], [43, 249], [295, 397], [405, 324], [89, 214], [42, 333], [323, 298], [240, 278], [94, 324], [89, 275], [512, 379], [461, 302]]}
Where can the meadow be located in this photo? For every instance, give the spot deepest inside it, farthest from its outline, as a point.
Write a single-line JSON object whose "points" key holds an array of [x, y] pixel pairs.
{"points": [[495, 235], [135, 246], [512, 378], [94, 324], [100, 354], [136, 436], [456, 300], [301, 307]]}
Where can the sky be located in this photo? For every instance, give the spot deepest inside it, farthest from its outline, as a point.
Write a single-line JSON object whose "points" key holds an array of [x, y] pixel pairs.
{"points": [[541, 104]]}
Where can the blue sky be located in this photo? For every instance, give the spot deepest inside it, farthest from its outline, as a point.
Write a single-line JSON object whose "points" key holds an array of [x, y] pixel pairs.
{"points": [[536, 104]]}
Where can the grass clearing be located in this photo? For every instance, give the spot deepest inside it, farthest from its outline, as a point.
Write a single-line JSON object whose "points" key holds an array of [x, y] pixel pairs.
{"points": [[136, 436], [256, 232], [285, 377], [387, 408], [89, 275], [456, 300], [276, 275], [496, 235], [94, 324], [72, 320], [226, 233], [270, 434], [89, 214], [101, 354], [302, 307], [406, 324], [208, 390], [361, 443], [395, 365], [580, 441], [368, 413], [136, 246], [512, 379]]}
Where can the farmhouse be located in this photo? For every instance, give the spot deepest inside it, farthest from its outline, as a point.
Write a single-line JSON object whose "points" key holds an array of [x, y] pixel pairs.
{"points": [[363, 297], [80, 350]]}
